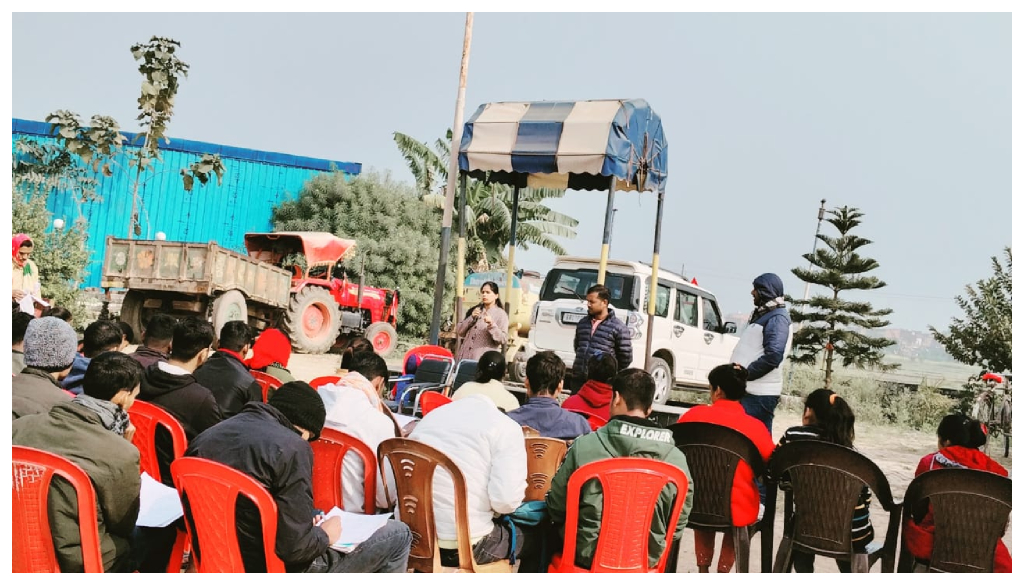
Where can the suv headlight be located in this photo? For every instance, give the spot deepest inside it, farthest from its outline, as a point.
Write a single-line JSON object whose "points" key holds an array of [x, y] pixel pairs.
{"points": [[634, 332]]}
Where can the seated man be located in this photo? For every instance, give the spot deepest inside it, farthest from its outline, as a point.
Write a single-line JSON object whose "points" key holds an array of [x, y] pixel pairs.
{"points": [[544, 374], [489, 449], [354, 407], [225, 373], [270, 442], [156, 340], [627, 434], [596, 394], [100, 336], [50, 346], [93, 431]]}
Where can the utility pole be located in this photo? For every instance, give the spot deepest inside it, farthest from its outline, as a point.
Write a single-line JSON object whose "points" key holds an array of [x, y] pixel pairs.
{"points": [[449, 195]]}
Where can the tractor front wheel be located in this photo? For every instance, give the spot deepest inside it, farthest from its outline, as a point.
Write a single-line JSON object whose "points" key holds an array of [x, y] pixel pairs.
{"points": [[383, 337]]}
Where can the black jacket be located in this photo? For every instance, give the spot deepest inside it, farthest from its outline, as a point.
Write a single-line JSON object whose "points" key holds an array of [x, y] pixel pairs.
{"points": [[147, 357], [611, 337], [230, 382], [187, 400], [261, 442]]}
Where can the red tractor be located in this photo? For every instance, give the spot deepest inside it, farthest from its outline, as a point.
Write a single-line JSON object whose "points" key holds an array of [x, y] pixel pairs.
{"points": [[325, 310]]}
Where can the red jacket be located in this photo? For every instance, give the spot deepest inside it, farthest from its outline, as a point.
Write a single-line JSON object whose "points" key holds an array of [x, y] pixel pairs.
{"points": [[593, 398], [729, 413], [919, 537]]}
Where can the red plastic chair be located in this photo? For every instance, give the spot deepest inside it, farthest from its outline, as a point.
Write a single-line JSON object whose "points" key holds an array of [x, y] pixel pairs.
{"points": [[209, 490], [328, 457], [31, 543], [430, 400], [323, 381], [147, 417], [631, 488], [267, 382], [595, 421]]}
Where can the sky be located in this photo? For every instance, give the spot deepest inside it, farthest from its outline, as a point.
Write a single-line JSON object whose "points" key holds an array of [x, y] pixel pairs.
{"points": [[904, 116]]}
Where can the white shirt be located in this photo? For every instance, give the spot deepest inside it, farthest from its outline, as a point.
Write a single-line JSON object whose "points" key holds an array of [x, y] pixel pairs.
{"points": [[489, 449], [349, 411], [494, 390]]}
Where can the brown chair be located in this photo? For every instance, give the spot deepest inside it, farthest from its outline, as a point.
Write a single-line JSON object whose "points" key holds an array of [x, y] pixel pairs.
{"points": [[825, 483], [413, 464], [543, 456], [971, 509], [713, 452], [329, 452]]}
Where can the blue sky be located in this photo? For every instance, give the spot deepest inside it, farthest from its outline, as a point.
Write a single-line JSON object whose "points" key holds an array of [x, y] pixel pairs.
{"points": [[906, 116]]}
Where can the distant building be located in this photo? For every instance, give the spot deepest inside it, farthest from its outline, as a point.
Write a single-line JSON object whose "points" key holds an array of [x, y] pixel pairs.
{"points": [[255, 182]]}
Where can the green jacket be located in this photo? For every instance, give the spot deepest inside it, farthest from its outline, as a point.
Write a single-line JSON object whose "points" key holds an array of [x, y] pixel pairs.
{"points": [[623, 436], [111, 462]]}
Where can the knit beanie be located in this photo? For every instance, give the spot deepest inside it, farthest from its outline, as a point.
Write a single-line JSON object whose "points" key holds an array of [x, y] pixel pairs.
{"points": [[301, 404], [50, 344]]}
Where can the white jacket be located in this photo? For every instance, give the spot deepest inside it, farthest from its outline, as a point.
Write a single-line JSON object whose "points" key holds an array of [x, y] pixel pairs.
{"points": [[489, 449], [494, 390], [349, 411]]}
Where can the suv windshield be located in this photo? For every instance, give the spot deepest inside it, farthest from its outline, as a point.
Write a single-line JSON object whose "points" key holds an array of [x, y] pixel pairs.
{"points": [[562, 283]]}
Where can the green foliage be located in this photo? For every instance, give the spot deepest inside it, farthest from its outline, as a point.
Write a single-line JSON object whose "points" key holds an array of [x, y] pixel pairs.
{"points": [[488, 207], [828, 323], [397, 235], [60, 254], [984, 336]]}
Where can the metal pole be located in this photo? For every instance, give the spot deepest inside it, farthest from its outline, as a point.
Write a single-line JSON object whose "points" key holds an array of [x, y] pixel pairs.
{"points": [[460, 272], [511, 249], [449, 199], [606, 240], [652, 294]]}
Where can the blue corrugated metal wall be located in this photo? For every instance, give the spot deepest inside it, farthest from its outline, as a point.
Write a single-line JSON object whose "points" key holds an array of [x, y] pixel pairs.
{"points": [[255, 181]]}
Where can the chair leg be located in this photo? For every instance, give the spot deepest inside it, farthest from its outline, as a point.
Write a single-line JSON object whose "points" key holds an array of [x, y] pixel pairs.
{"points": [[784, 559], [860, 563], [741, 544]]}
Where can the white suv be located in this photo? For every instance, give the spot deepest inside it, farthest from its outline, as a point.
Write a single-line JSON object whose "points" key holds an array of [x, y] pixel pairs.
{"points": [[689, 336]]}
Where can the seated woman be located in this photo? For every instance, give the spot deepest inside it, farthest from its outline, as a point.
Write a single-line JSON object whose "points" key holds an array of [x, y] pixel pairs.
{"points": [[270, 354], [827, 417], [489, 374], [959, 440], [728, 384]]}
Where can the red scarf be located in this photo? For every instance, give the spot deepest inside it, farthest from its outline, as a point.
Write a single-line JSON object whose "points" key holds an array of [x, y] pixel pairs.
{"points": [[16, 243], [270, 347]]}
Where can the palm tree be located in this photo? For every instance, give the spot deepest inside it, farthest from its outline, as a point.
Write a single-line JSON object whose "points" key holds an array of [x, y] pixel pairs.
{"points": [[488, 207]]}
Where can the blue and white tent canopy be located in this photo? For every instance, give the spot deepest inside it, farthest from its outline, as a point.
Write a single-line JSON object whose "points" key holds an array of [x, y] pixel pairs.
{"points": [[567, 145]]}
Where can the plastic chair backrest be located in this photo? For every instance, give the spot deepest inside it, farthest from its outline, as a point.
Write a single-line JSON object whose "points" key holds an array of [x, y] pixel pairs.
{"points": [[328, 460], [826, 481], [32, 548], [267, 382], [593, 420], [465, 371], [147, 418], [430, 400], [971, 509], [631, 487], [208, 492], [543, 456], [413, 464], [712, 453], [421, 351], [323, 381], [433, 370]]}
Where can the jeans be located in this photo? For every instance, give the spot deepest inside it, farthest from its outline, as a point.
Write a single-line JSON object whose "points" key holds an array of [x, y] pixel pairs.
{"points": [[387, 551], [491, 548], [151, 548], [761, 407]]}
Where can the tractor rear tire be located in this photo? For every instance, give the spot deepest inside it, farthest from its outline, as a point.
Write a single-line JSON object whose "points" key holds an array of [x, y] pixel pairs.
{"points": [[312, 320], [383, 337], [131, 311]]}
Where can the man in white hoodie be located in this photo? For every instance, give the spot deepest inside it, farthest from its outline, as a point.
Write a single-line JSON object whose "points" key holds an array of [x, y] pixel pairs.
{"points": [[489, 449], [354, 407]]}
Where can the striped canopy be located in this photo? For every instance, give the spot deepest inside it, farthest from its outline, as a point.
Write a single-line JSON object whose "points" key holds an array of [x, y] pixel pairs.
{"points": [[567, 145]]}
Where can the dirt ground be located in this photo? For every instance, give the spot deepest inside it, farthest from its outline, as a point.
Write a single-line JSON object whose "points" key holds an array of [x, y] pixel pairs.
{"points": [[896, 451]]}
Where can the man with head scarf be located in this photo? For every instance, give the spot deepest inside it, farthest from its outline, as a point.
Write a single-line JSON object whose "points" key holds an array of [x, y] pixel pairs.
{"points": [[762, 348], [25, 273], [270, 354]]}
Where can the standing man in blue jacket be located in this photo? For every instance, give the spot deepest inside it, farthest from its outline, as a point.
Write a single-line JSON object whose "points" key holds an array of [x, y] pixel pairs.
{"points": [[599, 332], [763, 347]]}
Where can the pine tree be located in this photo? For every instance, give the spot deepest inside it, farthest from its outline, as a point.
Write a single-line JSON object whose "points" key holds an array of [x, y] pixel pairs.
{"points": [[984, 337], [828, 323]]}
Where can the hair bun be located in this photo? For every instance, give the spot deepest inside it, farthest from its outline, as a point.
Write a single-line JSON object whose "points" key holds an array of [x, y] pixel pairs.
{"points": [[740, 372]]}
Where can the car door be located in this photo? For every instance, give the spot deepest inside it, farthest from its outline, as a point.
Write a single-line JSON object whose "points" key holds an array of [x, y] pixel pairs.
{"points": [[717, 348], [686, 339]]}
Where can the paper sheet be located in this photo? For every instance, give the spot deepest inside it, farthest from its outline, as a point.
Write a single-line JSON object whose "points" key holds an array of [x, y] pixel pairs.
{"points": [[403, 419], [27, 303], [159, 504], [355, 528]]}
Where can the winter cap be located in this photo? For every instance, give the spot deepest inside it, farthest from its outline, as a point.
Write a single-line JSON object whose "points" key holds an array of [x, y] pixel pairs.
{"points": [[301, 404], [50, 344]]}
